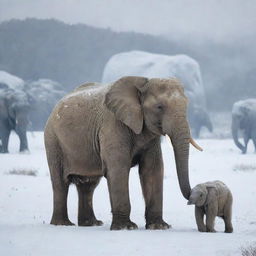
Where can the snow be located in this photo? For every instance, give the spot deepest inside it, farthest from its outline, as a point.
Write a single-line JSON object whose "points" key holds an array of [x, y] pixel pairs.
{"points": [[12, 81], [26, 207]]}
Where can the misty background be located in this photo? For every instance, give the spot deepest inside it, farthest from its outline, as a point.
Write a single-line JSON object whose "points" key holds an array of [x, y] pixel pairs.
{"points": [[70, 41]]}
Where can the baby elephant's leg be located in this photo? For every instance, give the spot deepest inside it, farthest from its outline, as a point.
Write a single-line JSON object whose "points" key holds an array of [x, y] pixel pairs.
{"points": [[227, 217], [211, 214], [199, 214]]}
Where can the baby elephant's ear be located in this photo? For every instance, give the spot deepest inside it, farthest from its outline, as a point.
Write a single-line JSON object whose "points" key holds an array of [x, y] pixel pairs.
{"points": [[123, 100], [212, 193]]}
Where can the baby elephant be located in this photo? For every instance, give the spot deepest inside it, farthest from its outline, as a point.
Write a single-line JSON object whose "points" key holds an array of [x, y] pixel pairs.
{"points": [[212, 199]]}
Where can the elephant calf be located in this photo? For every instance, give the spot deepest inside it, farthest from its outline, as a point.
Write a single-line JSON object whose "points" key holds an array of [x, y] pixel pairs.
{"points": [[212, 199]]}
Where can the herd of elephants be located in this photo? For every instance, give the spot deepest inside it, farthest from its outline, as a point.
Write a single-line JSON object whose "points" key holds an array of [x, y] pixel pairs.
{"points": [[103, 129]]}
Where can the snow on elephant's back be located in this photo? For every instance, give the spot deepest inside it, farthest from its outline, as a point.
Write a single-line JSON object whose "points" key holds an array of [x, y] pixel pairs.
{"points": [[140, 63], [11, 81]]}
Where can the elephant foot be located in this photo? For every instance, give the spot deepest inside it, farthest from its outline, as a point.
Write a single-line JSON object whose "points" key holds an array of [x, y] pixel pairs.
{"points": [[90, 223], [126, 225], [25, 151], [202, 229], [229, 230], [61, 222], [210, 230], [158, 225]]}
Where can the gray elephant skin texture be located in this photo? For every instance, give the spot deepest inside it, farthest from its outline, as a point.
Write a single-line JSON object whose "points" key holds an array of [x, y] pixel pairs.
{"points": [[212, 199], [104, 130], [14, 115], [183, 67], [244, 122]]}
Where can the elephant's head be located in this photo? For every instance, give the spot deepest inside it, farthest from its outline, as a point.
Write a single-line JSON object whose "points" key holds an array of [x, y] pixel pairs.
{"points": [[158, 106], [198, 195], [18, 106]]}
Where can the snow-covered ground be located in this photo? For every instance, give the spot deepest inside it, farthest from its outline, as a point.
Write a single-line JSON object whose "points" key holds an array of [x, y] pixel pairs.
{"points": [[26, 206]]}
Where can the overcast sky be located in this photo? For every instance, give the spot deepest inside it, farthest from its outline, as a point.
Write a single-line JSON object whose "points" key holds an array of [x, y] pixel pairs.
{"points": [[214, 19]]}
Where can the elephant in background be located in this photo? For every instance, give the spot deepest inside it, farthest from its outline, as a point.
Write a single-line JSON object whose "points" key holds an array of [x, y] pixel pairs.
{"points": [[244, 120], [183, 67], [198, 117], [14, 115], [10, 81], [25, 103], [99, 130], [45, 93]]}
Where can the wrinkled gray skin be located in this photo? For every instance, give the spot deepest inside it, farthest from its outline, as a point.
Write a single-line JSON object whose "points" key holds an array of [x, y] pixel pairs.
{"points": [[185, 68], [14, 112], [105, 130], [46, 94], [212, 199], [244, 121]]}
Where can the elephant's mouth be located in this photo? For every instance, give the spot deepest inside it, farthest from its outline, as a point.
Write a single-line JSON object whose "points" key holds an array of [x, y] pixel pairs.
{"points": [[159, 127]]}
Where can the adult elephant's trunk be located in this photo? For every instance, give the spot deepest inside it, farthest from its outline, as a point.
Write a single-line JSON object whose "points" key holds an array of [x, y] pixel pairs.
{"points": [[235, 128], [180, 138]]}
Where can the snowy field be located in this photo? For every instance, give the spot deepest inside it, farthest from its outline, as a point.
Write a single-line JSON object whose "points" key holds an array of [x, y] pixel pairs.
{"points": [[26, 207]]}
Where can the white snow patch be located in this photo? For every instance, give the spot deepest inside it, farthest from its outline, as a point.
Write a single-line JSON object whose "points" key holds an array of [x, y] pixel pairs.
{"points": [[26, 207]]}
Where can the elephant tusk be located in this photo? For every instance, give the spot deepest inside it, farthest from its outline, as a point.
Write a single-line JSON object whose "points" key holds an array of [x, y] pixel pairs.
{"points": [[195, 144]]}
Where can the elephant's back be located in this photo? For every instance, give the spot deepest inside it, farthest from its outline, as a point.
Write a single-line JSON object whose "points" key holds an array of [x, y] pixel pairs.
{"points": [[85, 102], [249, 104]]}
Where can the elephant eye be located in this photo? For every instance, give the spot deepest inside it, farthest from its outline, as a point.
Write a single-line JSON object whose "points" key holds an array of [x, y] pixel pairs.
{"points": [[201, 195], [160, 107]]}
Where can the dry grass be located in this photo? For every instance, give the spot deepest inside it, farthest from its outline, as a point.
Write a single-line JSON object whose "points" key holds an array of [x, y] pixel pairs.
{"points": [[249, 251], [244, 167], [27, 172]]}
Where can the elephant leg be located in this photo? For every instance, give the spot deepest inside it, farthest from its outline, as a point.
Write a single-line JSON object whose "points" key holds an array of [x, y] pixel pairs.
{"points": [[117, 178], [254, 143], [23, 140], [151, 178], [60, 213], [228, 215], [211, 214], [199, 214], [59, 186], [86, 215], [246, 140], [5, 140]]}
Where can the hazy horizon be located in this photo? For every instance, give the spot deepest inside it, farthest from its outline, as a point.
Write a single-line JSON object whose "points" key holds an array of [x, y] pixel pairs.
{"points": [[216, 20]]}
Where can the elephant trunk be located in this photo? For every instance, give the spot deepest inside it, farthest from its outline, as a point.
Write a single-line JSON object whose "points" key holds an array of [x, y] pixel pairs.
{"points": [[208, 123], [180, 138], [235, 126]]}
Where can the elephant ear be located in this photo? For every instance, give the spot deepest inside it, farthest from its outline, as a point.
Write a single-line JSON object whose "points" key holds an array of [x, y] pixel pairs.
{"points": [[123, 100], [212, 193]]}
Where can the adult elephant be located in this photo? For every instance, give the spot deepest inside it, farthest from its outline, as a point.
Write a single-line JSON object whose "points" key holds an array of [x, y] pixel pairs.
{"points": [[101, 130], [186, 69], [14, 112], [244, 120]]}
